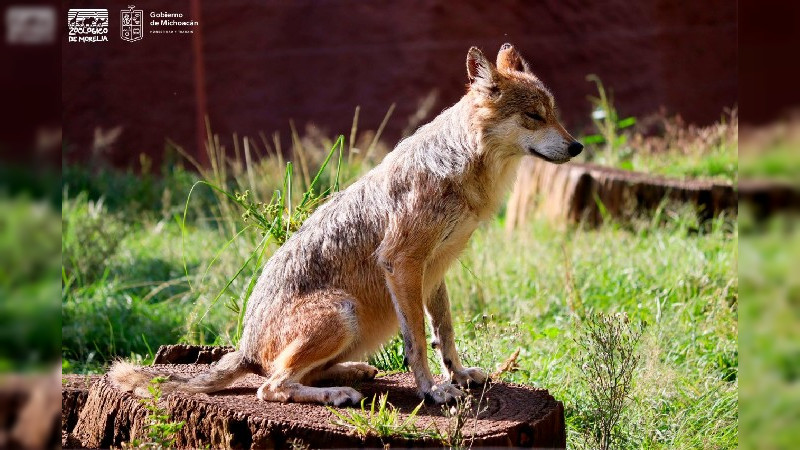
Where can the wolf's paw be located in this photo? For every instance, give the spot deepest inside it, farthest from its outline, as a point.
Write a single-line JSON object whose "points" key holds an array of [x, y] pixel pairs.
{"points": [[362, 370], [295, 392], [340, 396], [469, 377], [442, 393], [347, 373]]}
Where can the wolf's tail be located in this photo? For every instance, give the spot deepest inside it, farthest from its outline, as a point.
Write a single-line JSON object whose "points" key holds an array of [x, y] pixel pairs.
{"points": [[131, 378]]}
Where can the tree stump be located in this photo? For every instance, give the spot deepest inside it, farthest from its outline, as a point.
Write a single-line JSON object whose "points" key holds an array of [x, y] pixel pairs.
{"points": [[511, 415], [74, 391]]}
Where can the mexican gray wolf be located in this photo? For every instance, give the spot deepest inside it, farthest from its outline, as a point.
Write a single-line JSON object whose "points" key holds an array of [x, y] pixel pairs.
{"points": [[372, 259]]}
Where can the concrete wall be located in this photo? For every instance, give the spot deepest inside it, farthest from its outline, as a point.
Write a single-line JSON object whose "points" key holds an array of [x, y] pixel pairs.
{"points": [[265, 62]]}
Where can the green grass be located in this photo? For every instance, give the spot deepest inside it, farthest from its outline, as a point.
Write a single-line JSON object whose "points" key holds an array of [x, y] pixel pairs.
{"points": [[138, 296], [720, 164], [770, 335], [676, 157], [161, 280], [683, 284], [29, 269], [775, 160], [383, 421]]}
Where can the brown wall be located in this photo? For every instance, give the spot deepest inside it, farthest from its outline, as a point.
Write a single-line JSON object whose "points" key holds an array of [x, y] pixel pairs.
{"points": [[266, 62]]}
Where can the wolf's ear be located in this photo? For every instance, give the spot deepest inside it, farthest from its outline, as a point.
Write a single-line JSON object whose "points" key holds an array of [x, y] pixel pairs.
{"points": [[509, 59], [480, 71]]}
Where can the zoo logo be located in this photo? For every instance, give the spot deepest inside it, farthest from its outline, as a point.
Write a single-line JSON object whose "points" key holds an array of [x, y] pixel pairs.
{"points": [[132, 28], [87, 24]]}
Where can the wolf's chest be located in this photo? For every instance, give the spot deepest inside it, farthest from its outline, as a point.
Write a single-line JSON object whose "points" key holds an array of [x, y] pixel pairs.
{"points": [[446, 253]]}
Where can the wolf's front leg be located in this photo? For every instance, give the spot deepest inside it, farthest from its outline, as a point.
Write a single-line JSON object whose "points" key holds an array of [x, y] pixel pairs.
{"points": [[404, 278], [444, 341]]}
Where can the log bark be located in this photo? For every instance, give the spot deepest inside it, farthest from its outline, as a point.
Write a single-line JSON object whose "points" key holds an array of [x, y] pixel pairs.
{"points": [[515, 415], [572, 193], [74, 391]]}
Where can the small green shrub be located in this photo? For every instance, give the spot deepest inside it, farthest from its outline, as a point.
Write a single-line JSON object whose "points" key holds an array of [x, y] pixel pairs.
{"points": [[610, 127], [607, 360], [459, 414], [161, 432]]}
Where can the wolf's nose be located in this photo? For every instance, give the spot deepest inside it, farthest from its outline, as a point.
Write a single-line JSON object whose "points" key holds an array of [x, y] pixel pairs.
{"points": [[575, 148]]}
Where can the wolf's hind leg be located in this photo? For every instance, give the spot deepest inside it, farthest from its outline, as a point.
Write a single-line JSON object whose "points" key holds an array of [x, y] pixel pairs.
{"points": [[323, 327]]}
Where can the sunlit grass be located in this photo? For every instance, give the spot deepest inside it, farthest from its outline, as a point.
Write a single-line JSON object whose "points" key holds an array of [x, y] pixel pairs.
{"points": [[537, 283]]}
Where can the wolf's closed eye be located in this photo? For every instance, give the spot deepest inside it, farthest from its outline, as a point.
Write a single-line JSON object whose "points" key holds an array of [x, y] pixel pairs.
{"points": [[535, 116]]}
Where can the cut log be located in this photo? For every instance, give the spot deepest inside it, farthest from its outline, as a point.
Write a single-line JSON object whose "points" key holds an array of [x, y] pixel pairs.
{"points": [[571, 193], [511, 415]]}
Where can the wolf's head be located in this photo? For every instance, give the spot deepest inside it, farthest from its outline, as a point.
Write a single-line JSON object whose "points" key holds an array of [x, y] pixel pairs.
{"points": [[516, 111]]}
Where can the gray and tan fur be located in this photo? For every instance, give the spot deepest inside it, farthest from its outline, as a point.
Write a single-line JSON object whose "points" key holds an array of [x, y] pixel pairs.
{"points": [[373, 257]]}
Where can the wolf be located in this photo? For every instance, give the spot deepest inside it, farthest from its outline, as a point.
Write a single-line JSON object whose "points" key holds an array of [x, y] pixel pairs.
{"points": [[372, 259]]}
